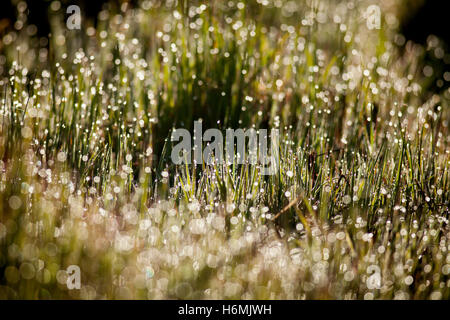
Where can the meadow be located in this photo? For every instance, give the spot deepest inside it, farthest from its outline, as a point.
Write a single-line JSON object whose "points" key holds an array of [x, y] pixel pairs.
{"points": [[358, 207]]}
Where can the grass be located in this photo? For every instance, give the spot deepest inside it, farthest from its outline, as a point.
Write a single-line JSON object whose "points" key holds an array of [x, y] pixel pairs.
{"points": [[358, 208]]}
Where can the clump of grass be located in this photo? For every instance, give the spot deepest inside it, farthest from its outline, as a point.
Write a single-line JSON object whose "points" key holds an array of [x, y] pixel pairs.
{"points": [[358, 208]]}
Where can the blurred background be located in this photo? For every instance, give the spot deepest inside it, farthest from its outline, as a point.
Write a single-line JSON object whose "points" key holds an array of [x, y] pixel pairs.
{"points": [[420, 21], [419, 18]]}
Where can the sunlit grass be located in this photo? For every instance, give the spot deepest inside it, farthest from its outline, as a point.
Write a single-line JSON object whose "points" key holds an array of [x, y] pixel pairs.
{"points": [[87, 180]]}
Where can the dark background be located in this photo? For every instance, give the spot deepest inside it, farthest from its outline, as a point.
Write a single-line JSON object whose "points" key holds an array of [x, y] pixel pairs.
{"points": [[38, 10], [432, 17]]}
